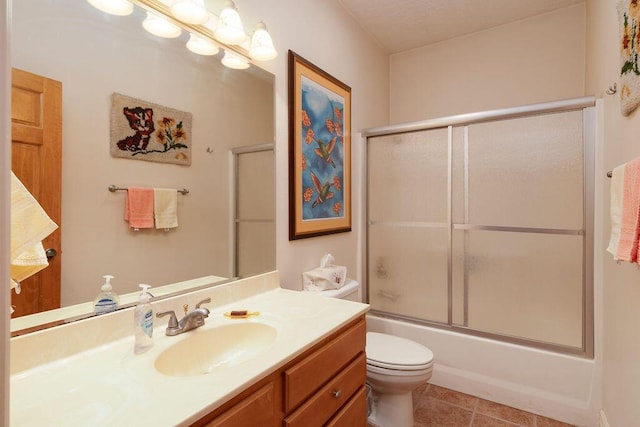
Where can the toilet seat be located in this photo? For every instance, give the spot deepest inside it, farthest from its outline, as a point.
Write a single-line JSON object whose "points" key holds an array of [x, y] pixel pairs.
{"points": [[396, 353]]}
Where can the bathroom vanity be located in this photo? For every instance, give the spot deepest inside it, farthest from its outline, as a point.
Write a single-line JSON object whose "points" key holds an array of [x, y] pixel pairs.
{"points": [[299, 362], [324, 386]]}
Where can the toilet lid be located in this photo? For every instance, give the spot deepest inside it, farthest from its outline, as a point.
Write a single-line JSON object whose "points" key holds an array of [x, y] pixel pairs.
{"points": [[391, 352]]}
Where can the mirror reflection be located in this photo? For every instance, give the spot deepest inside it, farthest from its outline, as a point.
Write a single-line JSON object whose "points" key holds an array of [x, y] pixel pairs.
{"points": [[225, 223]]}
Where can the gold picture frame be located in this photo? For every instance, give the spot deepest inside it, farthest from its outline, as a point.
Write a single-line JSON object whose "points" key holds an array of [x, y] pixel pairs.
{"points": [[319, 151]]}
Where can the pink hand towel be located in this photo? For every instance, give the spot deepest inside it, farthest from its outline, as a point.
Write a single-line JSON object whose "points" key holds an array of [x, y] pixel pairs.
{"points": [[630, 225], [138, 207]]}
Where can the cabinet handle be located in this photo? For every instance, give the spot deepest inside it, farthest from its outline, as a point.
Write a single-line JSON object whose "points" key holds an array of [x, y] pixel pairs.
{"points": [[337, 393]]}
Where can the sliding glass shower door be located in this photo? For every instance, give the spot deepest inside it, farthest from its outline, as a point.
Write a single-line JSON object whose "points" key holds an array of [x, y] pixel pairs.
{"points": [[485, 228]]}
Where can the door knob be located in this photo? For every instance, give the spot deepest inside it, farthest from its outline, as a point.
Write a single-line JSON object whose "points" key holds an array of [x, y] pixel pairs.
{"points": [[51, 253]]}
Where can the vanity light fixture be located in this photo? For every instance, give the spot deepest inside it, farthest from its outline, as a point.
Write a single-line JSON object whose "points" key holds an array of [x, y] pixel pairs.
{"points": [[261, 44], [229, 29], [113, 7], [208, 32], [159, 26], [201, 46], [190, 11], [234, 61]]}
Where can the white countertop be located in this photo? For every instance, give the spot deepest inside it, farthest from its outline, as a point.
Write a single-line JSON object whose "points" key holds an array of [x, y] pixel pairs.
{"points": [[109, 385]]}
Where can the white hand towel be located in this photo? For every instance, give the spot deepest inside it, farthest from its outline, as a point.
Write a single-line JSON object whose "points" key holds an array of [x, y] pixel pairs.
{"points": [[30, 224], [617, 184], [165, 207]]}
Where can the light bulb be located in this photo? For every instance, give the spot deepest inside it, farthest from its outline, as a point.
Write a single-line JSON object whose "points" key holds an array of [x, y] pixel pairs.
{"points": [[232, 60], [229, 29], [261, 44], [160, 27], [113, 7], [190, 11], [201, 46]]}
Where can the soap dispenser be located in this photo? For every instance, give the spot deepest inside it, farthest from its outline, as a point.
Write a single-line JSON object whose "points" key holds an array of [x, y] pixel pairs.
{"points": [[143, 322], [107, 300]]}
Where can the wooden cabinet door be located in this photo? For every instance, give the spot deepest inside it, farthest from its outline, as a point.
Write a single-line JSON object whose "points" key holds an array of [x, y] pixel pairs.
{"points": [[256, 410], [36, 159], [353, 414]]}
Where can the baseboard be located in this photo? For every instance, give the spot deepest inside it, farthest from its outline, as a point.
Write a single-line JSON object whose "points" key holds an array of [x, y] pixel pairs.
{"points": [[603, 419]]}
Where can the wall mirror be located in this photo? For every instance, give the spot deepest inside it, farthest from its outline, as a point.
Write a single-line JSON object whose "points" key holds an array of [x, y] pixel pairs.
{"points": [[226, 221]]}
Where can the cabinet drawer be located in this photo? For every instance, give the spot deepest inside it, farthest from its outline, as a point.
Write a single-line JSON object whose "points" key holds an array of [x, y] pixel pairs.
{"points": [[354, 413], [321, 407], [256, 410], [304, 378]]}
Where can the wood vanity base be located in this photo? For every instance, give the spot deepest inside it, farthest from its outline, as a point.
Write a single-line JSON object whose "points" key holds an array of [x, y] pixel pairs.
{"points": [[323, 386]]}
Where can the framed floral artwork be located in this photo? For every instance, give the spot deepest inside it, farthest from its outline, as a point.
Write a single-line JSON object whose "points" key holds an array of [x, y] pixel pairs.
{"points": [[319, 151]]}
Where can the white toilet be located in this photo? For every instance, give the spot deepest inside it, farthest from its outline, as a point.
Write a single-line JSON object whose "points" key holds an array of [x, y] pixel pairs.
{"points": [[395, 367]]}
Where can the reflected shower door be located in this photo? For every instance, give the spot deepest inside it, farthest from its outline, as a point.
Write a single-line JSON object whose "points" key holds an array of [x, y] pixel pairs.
{"points": [[254, 231]]}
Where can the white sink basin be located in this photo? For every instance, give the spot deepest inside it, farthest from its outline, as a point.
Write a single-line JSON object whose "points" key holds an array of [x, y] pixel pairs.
{"points": [[206, 351]]}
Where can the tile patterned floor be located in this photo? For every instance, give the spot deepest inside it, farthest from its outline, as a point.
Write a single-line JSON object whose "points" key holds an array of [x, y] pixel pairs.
{"points": [[440, 407]]}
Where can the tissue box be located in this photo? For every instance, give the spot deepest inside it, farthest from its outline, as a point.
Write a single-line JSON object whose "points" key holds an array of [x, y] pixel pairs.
{"points": [[324, 278]]}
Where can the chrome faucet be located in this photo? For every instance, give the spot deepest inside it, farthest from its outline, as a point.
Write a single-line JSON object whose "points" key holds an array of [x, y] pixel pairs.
{"points": [[191, 320]]}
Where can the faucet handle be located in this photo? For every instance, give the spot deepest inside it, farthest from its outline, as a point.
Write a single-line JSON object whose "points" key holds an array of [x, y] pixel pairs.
{"points": [[204, 301], [173, 320]]}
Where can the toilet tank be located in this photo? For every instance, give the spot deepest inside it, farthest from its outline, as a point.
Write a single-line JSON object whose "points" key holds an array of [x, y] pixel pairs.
{"points": [[350, 291]]}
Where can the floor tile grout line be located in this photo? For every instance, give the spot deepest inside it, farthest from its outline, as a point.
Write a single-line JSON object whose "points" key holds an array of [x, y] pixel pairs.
{"points": [[503, 420], [473, 416], [475, 411], [455, 404]]}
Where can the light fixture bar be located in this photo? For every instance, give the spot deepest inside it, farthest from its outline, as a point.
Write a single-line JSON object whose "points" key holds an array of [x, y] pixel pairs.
{"points": [[159, 7]]}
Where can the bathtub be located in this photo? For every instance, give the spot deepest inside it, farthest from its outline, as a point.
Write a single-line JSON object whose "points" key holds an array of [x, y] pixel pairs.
{"points": [[554, 385]]}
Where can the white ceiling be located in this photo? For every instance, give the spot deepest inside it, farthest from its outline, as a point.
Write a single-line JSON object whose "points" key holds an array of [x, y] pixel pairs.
{"points": [[399, 25]]}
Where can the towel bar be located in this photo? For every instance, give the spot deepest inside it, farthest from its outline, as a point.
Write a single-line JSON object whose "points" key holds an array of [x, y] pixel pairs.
{"points": [[114, 188]]}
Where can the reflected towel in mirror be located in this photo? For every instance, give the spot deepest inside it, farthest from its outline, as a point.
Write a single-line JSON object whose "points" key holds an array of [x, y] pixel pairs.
{"points": [[165, 207], [138, 207], [30, 224]]}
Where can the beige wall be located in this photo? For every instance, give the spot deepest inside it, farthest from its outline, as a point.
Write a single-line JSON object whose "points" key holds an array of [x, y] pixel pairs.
{"points": [[323, 33], [621, 283], [534, 60]]}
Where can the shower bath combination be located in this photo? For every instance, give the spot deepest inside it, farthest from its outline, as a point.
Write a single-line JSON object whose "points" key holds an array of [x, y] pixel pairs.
{"points": [[482, 223]]}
